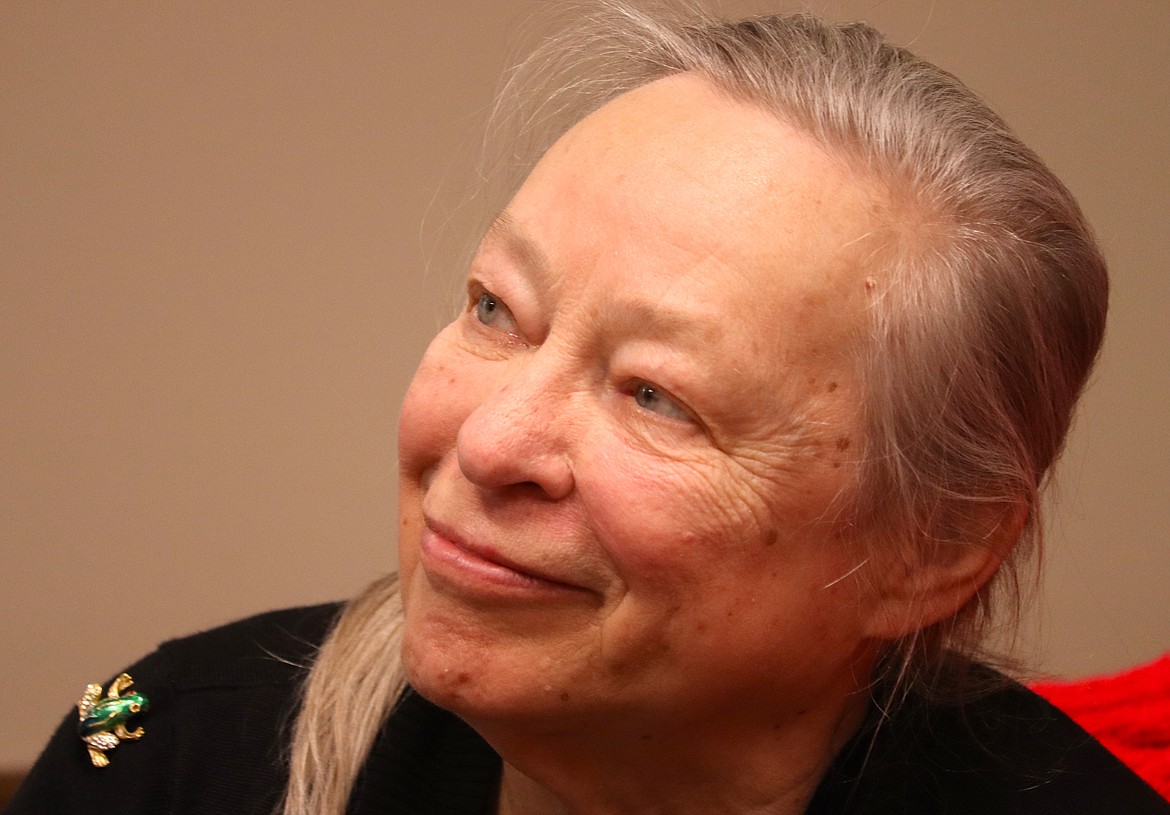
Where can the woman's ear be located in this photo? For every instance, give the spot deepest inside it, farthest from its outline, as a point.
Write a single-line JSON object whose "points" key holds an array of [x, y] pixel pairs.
{"points": [[919, 588]]}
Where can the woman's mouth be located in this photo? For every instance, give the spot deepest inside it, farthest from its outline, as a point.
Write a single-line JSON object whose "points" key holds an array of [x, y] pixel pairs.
{"points": [[456, 564]]}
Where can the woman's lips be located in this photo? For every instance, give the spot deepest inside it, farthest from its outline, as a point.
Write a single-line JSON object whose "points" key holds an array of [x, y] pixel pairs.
{"points": [[449, 559]]}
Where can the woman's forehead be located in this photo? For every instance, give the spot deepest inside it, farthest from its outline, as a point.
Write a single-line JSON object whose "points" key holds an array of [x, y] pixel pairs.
{"points": [[678, 168], [675, 191]]}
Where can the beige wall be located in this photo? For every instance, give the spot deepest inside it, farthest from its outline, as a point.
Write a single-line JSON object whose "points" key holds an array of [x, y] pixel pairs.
{"points": [[213, 290]]}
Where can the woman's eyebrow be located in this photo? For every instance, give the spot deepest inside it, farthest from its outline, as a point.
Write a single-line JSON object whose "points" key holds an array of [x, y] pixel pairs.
{"points": [[622, 318], [506, 231], [639, 318]]}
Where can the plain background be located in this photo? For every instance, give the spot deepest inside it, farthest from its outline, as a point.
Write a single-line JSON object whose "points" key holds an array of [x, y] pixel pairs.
{"points": [[215, 280]]}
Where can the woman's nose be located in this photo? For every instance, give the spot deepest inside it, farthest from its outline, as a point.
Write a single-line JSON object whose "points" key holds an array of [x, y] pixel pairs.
{"points": [[517, 437]]}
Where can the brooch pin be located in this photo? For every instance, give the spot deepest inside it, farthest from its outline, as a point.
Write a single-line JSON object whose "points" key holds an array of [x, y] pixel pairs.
{"points": [[102, 722]]}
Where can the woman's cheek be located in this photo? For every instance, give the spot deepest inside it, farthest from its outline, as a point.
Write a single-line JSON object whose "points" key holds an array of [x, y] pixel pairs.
{"points": [[421, 427], [441, 396], [649, 513]]}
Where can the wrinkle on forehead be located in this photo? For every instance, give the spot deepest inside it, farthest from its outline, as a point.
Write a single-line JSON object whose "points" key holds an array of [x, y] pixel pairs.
{"points": [[738, 194]]}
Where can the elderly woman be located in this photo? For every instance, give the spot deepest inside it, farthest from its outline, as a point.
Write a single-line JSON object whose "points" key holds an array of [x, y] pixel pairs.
{"points": [[706, 493]]}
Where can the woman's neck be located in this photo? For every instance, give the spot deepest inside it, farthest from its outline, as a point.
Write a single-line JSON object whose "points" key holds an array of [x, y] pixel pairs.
{"points": [[760, 770]]}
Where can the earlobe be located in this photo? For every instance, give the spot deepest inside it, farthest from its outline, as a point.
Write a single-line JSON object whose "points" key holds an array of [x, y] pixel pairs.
{"points": [[920, 588]]}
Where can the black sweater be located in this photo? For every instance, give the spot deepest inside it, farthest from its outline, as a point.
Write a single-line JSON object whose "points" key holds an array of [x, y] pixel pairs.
{"points": [[221, 703]]}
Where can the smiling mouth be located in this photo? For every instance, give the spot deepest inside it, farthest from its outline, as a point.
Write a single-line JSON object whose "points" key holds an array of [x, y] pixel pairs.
{"points": [[450, 560]]}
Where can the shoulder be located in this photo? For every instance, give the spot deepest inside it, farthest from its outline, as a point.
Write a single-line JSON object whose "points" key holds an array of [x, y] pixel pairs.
{"points": [[1007, 751], [220, 703], [1034, 756], [273, 647]]}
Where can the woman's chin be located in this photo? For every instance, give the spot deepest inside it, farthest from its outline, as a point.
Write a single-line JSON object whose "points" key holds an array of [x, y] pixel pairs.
{"points": [[497, 657], [468, 680], [452, 660]]}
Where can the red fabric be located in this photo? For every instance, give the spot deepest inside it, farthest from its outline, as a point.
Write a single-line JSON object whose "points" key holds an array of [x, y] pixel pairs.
{"points": [[1128, 712]]}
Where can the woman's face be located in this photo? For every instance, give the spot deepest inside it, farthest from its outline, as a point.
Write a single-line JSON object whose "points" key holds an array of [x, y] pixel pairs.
{"points": [[619, 464]]}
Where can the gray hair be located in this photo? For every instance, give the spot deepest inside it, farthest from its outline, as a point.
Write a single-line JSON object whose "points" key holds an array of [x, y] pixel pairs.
{"points": [[990, 294], [988, 312]]}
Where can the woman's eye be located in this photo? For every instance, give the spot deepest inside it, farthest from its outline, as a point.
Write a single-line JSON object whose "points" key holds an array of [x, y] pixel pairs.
{"points": [[651, 398], [491, 311]]}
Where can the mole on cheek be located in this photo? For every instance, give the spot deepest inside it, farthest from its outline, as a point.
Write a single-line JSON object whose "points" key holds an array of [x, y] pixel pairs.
{"points": [[832, 387], [843, 443]]}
